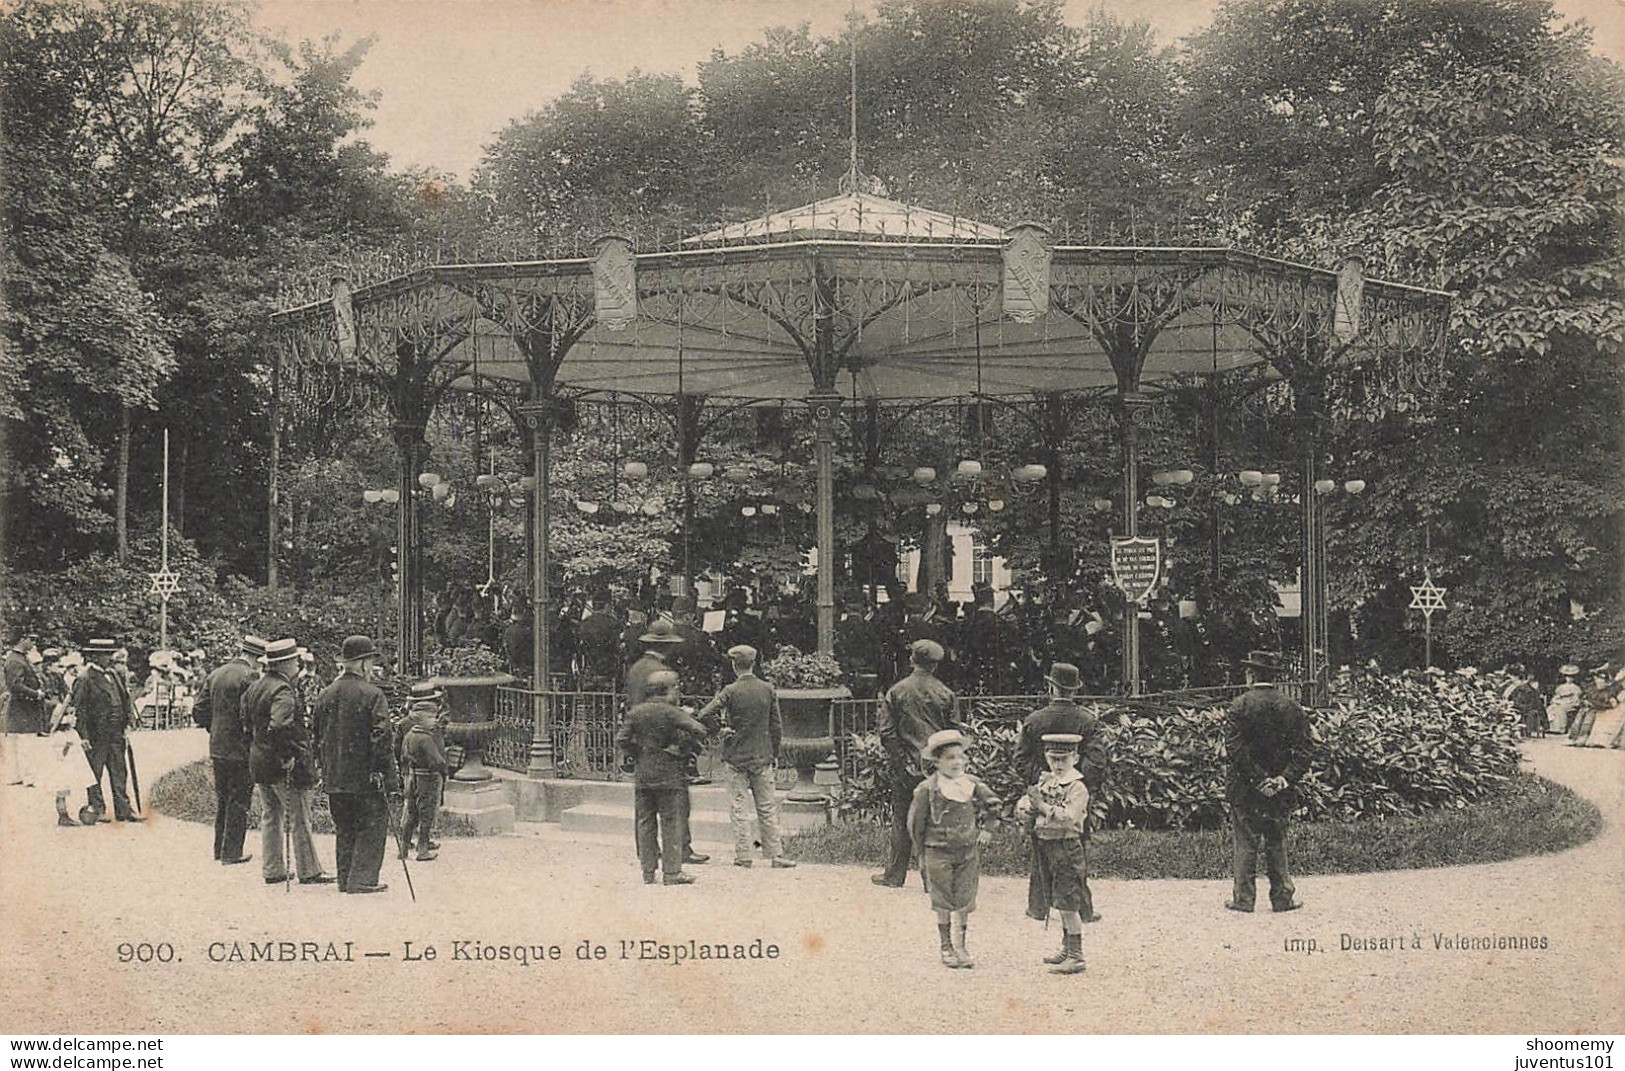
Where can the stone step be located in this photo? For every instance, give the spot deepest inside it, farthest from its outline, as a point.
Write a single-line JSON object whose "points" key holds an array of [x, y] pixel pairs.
{"points": [[712, 797]]}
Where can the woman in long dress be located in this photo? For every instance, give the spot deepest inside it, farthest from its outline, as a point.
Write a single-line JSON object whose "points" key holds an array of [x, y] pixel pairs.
{"points": [[1565, 700]]}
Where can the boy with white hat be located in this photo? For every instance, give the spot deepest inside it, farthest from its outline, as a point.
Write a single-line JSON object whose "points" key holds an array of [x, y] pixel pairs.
{"points": [[1057, 807], [943, 823]]}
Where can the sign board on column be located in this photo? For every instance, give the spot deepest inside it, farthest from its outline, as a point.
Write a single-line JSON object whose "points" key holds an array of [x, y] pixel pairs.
{"points": [[1137, 566]]}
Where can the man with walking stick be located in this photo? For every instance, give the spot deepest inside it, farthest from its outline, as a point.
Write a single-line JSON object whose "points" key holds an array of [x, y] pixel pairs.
{"points": [[281, 763], [355, 740]]}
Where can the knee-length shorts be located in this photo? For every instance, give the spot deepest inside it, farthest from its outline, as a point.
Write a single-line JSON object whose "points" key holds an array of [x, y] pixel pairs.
{"points": [[951, 877]]}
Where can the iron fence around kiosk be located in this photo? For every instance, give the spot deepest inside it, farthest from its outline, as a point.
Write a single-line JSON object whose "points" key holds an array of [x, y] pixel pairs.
{"points": [[582, 725]]}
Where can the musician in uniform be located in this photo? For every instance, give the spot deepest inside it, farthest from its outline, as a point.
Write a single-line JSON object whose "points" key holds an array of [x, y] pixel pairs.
{"points": [[219, 709], [358, 761]]}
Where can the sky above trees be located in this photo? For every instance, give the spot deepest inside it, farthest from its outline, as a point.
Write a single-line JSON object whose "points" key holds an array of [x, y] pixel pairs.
{"points": [[451, 75]]}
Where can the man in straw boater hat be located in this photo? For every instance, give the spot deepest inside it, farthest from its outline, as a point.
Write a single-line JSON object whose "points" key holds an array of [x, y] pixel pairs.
{"points": [[911, 710], [1063, 714], [219, 709], [1267, 742], [357, 745], [101, 703], [1056, 809], [747, 714], [281, 761], [945, 823]]}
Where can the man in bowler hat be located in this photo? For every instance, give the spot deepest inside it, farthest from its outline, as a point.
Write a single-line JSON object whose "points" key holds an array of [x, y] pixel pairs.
{"points": [[219, 709], [283, 765], [1063, 715], [101, 702], [356, 741], [911, 710], [1267, 741]]}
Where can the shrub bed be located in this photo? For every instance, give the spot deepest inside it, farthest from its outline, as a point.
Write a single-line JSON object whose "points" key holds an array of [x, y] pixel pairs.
{"points": [[1531, 816], [1399, 746], [187, 793]]}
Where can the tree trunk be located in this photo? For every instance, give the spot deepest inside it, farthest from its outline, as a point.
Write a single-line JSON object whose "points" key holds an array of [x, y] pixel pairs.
{"points": [[121, 489]]}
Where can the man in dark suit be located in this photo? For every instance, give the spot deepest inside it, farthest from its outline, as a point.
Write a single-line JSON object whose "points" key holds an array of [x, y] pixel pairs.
{"points": [[356, 742], [657, 734], [911, 710], [1062, 715], [282, 763], [101, 701], [219, 709], [1267, 741]]}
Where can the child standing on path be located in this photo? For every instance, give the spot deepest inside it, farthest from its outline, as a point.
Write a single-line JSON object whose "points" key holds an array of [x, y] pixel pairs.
{"points": [[943, 823], [1057, 807]]}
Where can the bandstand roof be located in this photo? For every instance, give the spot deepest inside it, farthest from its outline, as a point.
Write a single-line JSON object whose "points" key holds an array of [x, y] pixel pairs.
{"points": [[873, 299]]}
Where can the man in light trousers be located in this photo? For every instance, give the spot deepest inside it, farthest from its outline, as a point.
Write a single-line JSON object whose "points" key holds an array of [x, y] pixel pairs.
{"points": [[747, 714]]}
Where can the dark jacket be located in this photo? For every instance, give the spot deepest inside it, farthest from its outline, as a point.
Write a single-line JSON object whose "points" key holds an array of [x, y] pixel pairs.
{"points": [[219, 709], [1267, 735], [26, 709], [281, 748], [423, 748], [354, 737], [101, 700], [1062, 715], [913, 709], [750, 708], [658, 736]]}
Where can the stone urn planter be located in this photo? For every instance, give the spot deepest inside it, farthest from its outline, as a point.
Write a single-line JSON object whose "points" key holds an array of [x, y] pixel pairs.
{"points": [[471, 703], [809, 735], [807, 685]]}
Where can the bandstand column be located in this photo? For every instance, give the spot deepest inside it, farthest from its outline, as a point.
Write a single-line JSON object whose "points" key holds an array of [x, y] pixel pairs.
{"points": [[540, 416], [1307, 399], [410, 446], [826, 409], [1130, 403]]}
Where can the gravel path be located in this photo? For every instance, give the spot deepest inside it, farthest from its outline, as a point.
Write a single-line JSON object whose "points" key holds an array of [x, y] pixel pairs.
{"points": [[852, 958]]}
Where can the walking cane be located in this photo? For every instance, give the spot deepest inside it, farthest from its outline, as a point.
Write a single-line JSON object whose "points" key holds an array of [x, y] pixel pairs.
{"points": [[135, 778], [400, 844]]}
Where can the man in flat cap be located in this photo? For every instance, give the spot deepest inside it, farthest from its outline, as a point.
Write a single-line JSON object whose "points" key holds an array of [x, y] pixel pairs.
{"points": [[358, 761], [101, 702], [1063, 714], [1267, 741], [746, 712], [219, 709], [282, 761], [911, 710]]}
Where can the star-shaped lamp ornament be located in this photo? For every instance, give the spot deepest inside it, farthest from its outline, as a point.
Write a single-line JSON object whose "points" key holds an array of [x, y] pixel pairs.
{"points": [[1427, 596], [165, 583]]}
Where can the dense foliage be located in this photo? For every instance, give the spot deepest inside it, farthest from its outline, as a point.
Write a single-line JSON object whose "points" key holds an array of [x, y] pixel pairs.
{"points": [[1470, 145], [1397, 747]]}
